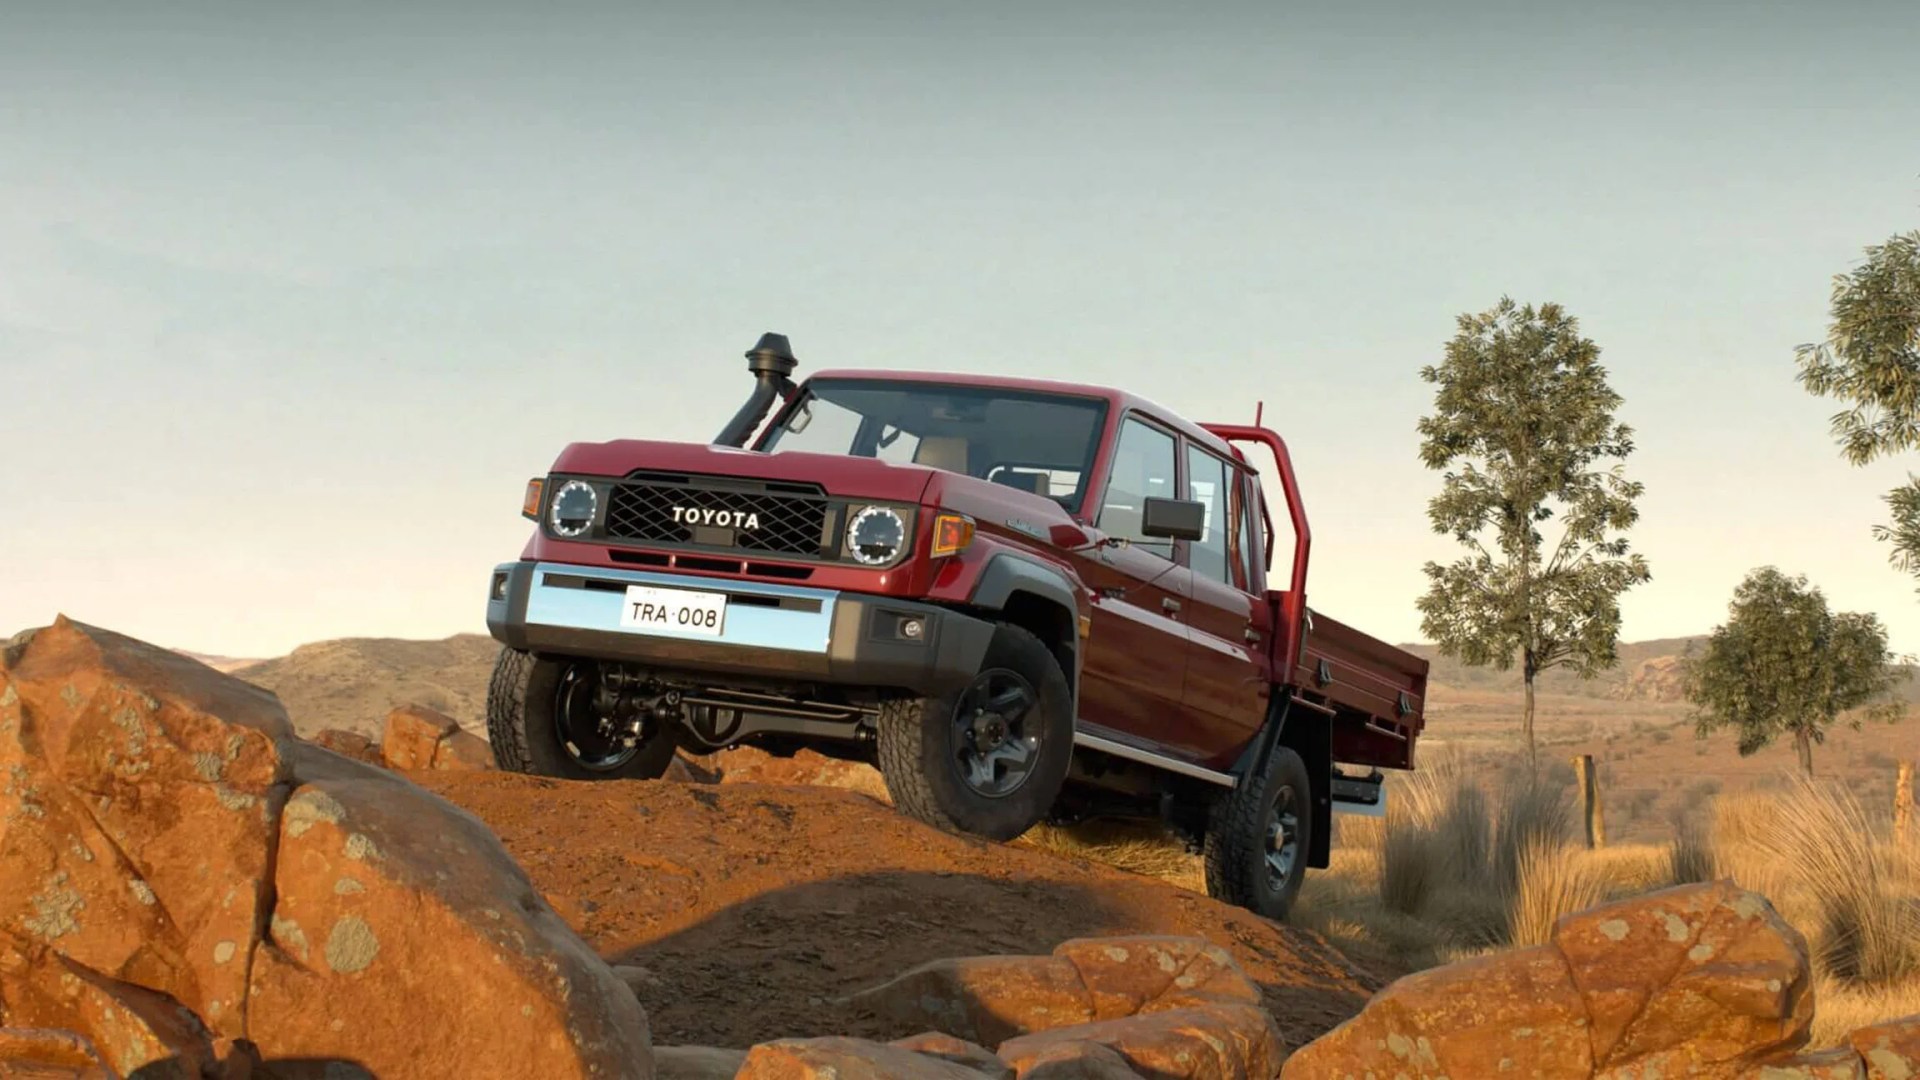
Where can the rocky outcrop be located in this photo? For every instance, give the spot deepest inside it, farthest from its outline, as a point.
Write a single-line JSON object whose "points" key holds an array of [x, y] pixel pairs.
{"points": [[1165, 1006], [183, 882], [416, 738], [1702, 980]]}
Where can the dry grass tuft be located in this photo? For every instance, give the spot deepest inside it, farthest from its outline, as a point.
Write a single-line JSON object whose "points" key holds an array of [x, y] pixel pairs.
{"points": [[1533, 814], [1690, 858], [1144, 849], [1867, 930], [1551, 879]]}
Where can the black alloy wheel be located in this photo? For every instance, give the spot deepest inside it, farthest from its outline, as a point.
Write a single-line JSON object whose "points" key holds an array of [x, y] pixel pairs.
{"points": [[996, 743]]}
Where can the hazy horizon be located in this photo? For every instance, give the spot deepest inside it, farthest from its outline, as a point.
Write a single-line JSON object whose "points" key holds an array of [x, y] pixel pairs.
{"points": [[292, 302]]}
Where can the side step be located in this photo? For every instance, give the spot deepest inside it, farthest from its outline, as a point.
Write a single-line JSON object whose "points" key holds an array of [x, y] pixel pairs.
{"points": [[1363, 795]]}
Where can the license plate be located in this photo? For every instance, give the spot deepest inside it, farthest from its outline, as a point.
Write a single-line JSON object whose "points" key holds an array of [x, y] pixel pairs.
{"points": [[674, 611]]}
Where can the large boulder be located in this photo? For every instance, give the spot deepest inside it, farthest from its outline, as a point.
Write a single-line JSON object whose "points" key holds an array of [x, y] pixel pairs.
{"points": [[179, 873], [1159, 1006], [1699, 980], [990, 999]]}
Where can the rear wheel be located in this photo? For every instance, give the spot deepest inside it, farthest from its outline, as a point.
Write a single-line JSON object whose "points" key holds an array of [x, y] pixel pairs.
{"points": [[989, 758], [542, 718], [1258, 837]]}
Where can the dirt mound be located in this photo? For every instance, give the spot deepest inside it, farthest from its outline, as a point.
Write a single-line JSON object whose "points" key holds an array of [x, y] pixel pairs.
{"points": [[756, 908]]}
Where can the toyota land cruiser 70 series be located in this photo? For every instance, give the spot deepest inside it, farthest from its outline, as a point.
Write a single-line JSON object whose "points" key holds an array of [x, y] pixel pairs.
{"points": [[1023, 600]]}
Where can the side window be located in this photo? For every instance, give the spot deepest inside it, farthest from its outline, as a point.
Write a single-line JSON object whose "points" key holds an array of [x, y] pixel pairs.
{"points": [[1143, 466], [1248, 552], [1207, 485]]}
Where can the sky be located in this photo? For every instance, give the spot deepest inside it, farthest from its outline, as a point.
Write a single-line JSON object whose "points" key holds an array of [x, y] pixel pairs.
{"points": [[294, 298]]}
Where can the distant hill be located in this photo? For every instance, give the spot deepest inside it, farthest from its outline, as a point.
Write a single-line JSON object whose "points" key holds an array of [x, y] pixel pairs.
{"points": [[352, 683], [1646, 671]]}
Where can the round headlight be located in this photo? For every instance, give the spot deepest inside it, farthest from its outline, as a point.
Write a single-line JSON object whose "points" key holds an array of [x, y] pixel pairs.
{"points": [[876, 535], [572, 510]]}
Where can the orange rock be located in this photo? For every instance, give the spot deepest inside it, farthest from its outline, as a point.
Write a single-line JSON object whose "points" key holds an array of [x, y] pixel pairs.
{"points": [[132, 1028], [845, 1059], [1839, 1063], [130, 772], [986, 999], [1127, 975], [349, 744], [1461, 1020], [463, 750], [47, 1053], [751, 765], [1205, 1042], [959, 1051], [1891, 1050], [1699, 980], [994, 998], [412, 736], [1076, 1059], [149, 806], [387, 894], [1689, 980]]}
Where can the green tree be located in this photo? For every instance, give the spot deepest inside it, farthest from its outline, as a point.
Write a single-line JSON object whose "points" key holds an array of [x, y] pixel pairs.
{"points": [[1524, 411], [1871, 361], [1784, 664]]}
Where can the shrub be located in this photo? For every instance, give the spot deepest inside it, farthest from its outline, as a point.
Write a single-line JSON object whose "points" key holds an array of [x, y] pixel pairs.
{"points": [[1867, 929], [1533, 811]]}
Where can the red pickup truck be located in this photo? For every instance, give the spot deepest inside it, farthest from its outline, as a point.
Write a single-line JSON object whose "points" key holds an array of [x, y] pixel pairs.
{"points": [[1023, 600]]}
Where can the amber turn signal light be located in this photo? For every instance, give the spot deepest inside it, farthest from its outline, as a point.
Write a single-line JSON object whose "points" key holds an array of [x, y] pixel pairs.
{"points": [[530, 506], [951, 534]]}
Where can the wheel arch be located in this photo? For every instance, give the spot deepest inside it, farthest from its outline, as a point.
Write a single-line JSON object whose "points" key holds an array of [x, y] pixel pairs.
{"points": [[1308, 732], [1040, 600]]}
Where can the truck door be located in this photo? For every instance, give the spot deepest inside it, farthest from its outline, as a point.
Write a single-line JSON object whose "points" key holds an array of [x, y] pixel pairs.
{"points": [[1226, 687], [1136, 657]]}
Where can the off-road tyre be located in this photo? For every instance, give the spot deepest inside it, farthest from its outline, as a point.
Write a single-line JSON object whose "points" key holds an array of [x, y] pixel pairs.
{"points": [[919, 747], [522, 701], [1236, 847]]}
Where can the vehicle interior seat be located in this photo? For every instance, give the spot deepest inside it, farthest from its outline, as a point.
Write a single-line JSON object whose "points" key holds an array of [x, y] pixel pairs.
{"points": [[949, 452], [1023, 479]]}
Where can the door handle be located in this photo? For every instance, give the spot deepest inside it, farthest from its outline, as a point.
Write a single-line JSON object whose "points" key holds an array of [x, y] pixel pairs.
{"points": [[1169, 605]]}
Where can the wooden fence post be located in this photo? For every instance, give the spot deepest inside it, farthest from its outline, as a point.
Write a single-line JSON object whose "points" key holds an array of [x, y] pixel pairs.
{"points": [[1903, 800], [1589, 780]]}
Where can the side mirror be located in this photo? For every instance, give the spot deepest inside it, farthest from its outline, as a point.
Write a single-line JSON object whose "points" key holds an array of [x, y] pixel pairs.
{"points": [[1173, 519]]}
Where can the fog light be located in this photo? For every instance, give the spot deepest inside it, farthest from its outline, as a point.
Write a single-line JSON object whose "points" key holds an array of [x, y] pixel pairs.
{"points": [[911, 629]]}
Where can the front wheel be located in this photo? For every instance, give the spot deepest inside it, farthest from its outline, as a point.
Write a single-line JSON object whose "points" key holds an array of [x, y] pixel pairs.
{"points": [[542, 719], [1258, 837], [990, 758]]}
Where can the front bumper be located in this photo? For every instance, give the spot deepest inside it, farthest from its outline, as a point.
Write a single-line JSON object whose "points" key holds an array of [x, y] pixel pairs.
{"points": [[778, 632]]}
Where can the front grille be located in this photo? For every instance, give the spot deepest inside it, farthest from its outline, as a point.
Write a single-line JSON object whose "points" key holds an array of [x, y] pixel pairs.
{"points": [[789, 520]]}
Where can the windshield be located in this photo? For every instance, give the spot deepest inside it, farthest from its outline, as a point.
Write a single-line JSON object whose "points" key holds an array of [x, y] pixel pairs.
{"points": [[1043, 443]]}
